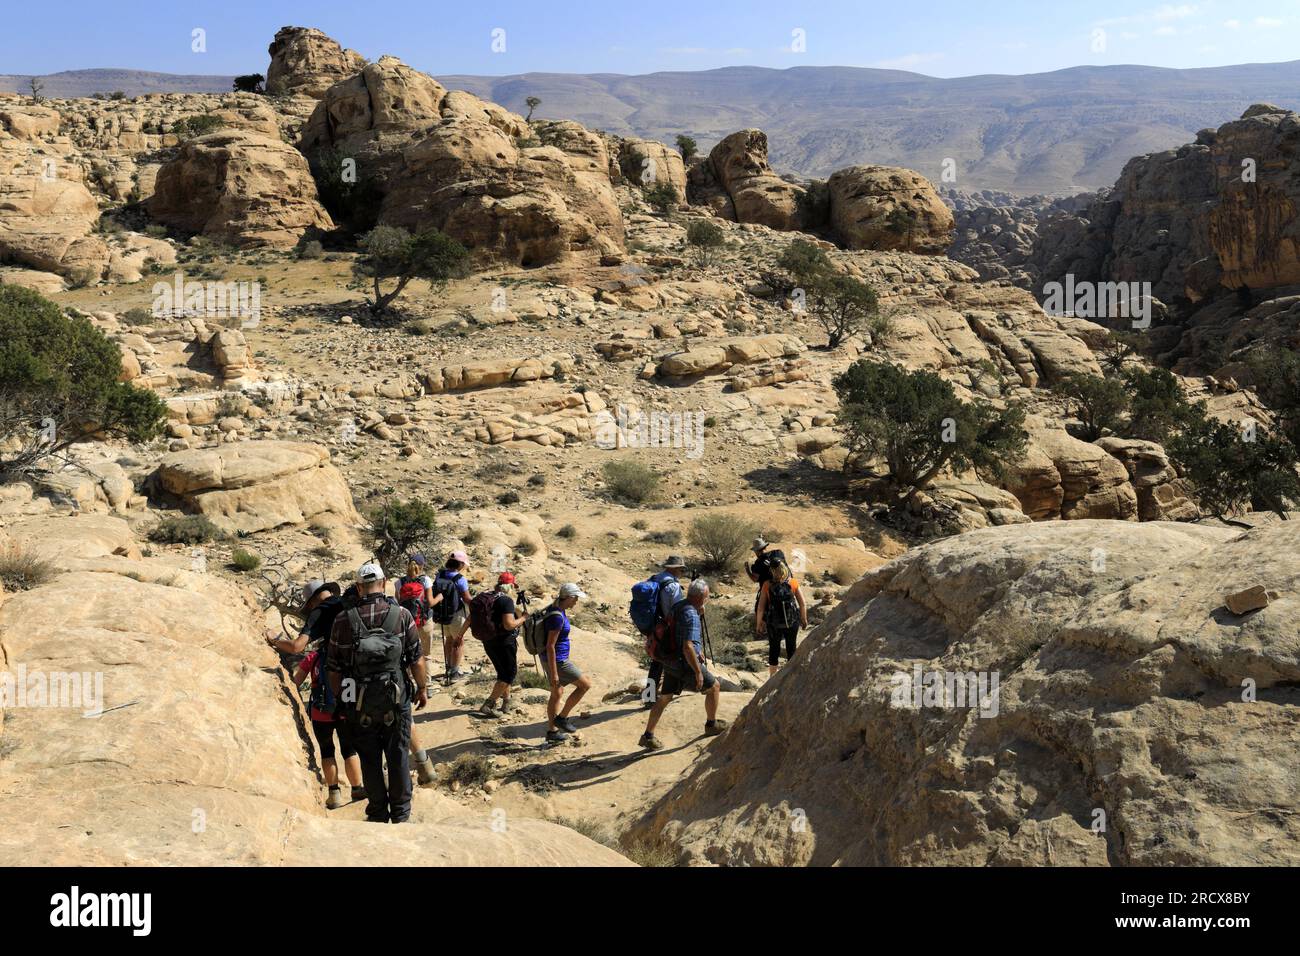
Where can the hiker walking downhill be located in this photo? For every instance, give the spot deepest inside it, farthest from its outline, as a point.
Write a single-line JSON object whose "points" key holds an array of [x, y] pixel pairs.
{"points": [[662, 590], [450, 609], [760, 570], [325, 725], [494, 620], [560, 670], [685, 666], [375, 668], [781, 612], [320, 603], [414, 591]]}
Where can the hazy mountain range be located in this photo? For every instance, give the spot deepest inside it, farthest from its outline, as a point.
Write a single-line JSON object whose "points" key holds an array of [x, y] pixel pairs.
{"points": [[1055, 133]]}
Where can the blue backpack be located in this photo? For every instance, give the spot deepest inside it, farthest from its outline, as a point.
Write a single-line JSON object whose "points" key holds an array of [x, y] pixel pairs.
{"points": [[644, 609]]}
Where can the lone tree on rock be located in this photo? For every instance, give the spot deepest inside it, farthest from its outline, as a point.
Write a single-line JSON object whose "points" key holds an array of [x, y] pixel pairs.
{"points": [[687, 147], [919, 425], [389, 252], [902, 222], [845, 305], [60, 385], [250, 83], [532, 103], [706, 238]]}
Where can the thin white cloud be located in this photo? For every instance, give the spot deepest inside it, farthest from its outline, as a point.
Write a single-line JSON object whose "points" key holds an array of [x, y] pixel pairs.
{"points": [[1165, 31], [908, 61], [1232, 24], [1162, 14], [1268, 22]]}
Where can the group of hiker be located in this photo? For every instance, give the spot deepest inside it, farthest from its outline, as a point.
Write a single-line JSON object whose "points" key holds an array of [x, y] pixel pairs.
{"points": [[369, 657]]}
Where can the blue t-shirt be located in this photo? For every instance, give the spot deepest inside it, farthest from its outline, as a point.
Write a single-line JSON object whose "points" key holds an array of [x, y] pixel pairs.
{"points": [[689, 628], [462, 585], [558, 619]]}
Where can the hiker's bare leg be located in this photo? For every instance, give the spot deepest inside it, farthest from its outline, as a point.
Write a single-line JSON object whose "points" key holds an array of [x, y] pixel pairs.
{"points": [[331, 770], [656, 711], [579, 689], [772, 669], [711, 702], [458, 647], [500, 691], [553, 706], [352, 767]]}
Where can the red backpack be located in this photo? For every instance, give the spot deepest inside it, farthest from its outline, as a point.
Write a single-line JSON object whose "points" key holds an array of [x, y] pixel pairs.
{"points": [[481, 624], [410, 595]]}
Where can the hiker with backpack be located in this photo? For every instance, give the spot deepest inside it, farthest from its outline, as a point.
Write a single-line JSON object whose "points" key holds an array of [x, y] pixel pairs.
{"points": [[325, 725], [449, 606], [494, 620], [652, 604], [559, 668], [375, 669], [780, 613], [760, 571], [320, 602], [680, 648], [414, 591]]}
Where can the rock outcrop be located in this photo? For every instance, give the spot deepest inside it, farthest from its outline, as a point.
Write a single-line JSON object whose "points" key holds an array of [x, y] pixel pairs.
{"points": [[257, 485], [306, 62], [239, 187], [757, 194], [454, 162], [885, 207], [1118, 732], [1063, 477]]}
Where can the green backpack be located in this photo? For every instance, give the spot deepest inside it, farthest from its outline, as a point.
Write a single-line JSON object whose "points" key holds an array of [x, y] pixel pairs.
{"points": [[377, 667]]}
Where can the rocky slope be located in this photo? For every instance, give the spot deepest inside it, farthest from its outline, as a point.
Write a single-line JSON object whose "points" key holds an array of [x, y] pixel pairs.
{"points": [[1120, 734]]}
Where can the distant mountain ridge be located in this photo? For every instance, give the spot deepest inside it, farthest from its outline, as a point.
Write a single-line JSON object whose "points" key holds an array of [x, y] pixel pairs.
{"points": [[1053, 133]]}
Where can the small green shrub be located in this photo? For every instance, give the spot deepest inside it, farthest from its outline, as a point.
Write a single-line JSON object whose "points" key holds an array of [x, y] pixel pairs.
{"points": [[469, 770], [245, 561], [22, 569], [630, 481], [721, 539], [568, 531], [187, 529]]}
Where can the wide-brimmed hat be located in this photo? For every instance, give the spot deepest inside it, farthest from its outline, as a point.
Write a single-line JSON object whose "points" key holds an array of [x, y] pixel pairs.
{"points": [[312, 587], [673, 561], [759, 544]]}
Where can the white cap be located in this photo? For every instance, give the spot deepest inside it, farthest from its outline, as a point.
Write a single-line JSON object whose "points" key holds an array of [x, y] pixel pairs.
{"points": [[369, 573], [572, 590]]}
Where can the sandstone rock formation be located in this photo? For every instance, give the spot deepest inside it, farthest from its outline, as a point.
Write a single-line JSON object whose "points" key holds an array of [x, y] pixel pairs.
{"points": [[719, 355], [239, 187], [306, 62], [1064, 477], [258, 485], [454, 162], [862, 199], [757, 194], [1120, 677], [644, 161]]}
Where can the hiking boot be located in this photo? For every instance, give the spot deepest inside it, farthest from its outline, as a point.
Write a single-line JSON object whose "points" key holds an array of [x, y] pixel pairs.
{"points": [[335, 800], [556, 736], [714, 727], [358, 793], [504, 707], [487, 710], [566, 723], [424, 772], [651, 742]]}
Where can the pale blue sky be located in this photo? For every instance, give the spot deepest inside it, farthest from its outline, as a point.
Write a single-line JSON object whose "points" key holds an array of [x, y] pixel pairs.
{"points": [[936, 37]]}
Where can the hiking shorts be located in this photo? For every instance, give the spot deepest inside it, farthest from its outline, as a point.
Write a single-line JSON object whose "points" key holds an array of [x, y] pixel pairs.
{"points": [[775, 638], [457, 624], [568, 671], [325, 730], [504, 655], [681, 678], [426, 632]]}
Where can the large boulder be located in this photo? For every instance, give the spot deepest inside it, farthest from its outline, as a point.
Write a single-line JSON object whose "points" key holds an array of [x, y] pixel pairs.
{"points": [[1135, 719], [1063, 477], [46, 220], [258, 485], [712, 356], [307, 62], [239, 187], [863, 199], [453, 162], [758, 195], [645, 161]]}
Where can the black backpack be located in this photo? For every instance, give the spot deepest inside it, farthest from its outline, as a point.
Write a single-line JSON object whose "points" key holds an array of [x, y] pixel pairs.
{"points": [[445, 584], [377, 667], [782, 605]]}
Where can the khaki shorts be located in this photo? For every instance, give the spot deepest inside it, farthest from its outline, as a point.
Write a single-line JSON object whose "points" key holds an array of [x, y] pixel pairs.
{"points": [[426, 638], [456, 626]]}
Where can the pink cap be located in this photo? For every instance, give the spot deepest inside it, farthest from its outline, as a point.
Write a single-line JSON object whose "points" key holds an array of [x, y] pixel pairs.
{"points": [[460, 556]]}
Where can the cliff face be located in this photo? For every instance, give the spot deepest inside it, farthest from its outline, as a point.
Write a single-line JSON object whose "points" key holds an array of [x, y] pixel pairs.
{"points": [[1219, 213]]}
